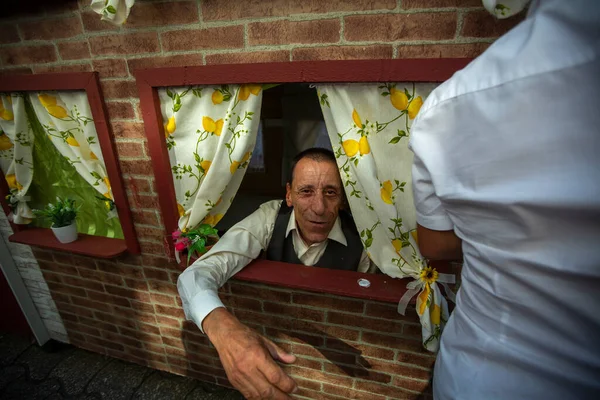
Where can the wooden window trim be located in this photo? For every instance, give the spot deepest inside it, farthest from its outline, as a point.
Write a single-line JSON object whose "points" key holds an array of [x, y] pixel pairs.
{"points": [[94, 246], [383, 287]]}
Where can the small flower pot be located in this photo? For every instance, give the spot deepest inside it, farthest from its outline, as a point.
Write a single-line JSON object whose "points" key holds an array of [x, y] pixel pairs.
{"points": [[66, 234]]}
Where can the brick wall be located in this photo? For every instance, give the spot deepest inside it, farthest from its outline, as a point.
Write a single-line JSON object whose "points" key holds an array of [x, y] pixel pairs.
{"points": [[128, 308]]}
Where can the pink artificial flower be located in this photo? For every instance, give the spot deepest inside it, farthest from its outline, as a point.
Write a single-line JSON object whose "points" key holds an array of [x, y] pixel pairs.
{"points": [[175, 235], [180, 246]]}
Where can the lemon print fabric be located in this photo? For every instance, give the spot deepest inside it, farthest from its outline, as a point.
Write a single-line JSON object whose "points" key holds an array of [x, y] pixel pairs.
{"points": [[5, 143]]}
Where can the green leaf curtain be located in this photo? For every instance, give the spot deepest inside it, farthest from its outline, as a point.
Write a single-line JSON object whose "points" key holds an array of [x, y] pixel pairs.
{"points": [[210, 132], [369, 128]]}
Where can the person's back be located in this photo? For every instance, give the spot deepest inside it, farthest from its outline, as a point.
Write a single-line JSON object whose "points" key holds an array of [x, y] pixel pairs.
{"points": [[515, 162]]}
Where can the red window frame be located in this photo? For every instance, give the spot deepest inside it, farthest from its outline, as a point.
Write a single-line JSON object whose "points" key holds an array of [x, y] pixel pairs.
{"points": [[94, 246], [148, 81]]}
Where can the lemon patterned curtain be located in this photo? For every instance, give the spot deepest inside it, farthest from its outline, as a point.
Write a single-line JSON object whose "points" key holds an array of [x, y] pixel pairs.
{"points": [[113, 11], [16, 160], [210, 133], [67, 120], [369, 127]]}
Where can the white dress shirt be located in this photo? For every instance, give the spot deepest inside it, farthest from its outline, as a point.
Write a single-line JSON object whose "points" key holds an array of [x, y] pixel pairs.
{"points": [[507, 154], [199, 283]]}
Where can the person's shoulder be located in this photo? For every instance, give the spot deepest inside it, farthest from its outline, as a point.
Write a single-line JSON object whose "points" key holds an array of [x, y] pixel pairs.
{"points": [[271, 205]]}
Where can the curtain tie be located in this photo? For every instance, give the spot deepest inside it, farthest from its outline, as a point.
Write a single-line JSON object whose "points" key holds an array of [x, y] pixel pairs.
{"points": [[429, 276]]}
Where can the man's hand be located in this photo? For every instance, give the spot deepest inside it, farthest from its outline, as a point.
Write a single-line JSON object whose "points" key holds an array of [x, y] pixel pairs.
{"points": [[248, 358]]}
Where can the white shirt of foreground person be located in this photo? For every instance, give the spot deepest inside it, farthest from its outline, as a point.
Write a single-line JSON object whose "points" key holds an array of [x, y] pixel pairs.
{"points": [[507, 154], [243, 243]]}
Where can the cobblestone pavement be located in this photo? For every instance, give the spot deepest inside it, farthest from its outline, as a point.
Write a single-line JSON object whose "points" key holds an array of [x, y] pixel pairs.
{"points": [[29, 372]]}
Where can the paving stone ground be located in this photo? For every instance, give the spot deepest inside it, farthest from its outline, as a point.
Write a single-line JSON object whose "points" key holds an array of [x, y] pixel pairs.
{"points": [[63, 372]]}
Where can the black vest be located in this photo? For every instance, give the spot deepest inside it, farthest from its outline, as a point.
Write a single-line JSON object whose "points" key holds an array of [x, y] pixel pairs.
{"points": [[336, 255]]}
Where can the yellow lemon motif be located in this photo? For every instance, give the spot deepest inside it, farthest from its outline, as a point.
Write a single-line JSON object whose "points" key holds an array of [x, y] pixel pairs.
{"points": [[106, 182], [255, 89], [107, 195], [356, 118], [47, 100], [415, 236], [245, 158], [170, 126], [350, 147], [205, 165], [244, 93], [234, 166], [219, 127], [180, 210], [422, 299], [386, 192], [5, 142], [72, 142], [399, 99], [363, 146], [218, 201], [414, 107], [209, 124], [397, 243], [217, 218], [217, 97], [11, 179], [7, 115], [93, 156], [435, 314], [57, 112]]}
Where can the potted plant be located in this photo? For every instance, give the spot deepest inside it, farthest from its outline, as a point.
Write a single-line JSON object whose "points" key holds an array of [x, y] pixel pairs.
{"points": [[62, 214], [195, 241]]}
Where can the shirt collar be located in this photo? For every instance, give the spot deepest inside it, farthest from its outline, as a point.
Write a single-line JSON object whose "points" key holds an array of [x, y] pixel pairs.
{"points": [[336, 232]]}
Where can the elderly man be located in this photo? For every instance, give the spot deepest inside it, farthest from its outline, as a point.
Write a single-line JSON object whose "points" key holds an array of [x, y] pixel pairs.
{"points": [[308, 228]]}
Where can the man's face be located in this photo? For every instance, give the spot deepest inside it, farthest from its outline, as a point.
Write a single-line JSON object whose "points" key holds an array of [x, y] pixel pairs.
{"points": [[316, 195]]}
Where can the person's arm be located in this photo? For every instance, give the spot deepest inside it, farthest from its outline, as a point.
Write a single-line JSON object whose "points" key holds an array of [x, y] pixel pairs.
{"points": [[247, 357], [439, 245], [365, 264]]}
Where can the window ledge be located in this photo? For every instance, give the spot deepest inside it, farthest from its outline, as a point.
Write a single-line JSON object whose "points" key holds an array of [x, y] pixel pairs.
{"points": [[343, 283], [87, 245]]}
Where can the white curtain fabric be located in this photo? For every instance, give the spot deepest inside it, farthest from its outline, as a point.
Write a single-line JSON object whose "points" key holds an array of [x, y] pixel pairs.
{"points": [[67, 120], [210, 133], [369, 127], [16, 154], [113, 11]]}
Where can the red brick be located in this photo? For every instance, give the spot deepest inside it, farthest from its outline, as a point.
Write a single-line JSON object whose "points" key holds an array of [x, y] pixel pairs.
{"points": [[105, 343], [137, 284], [241, 289], [412, 330], [294, 311], [117, 338], [305, 383], [362, 349], [92, 22], [116, 320], [118, 89], [468, 50], [311, 394], [15, 71], [130, 149], [320, 353], [296, 337], [158, 262], [394, 368], [391, 27], [74, 310], [334, 303], [123, 110], [145, 201], [59, 297], [483, 24], [129, 43], [82, 283], [289, 32], [141, 335], [137, 167], [95, 305], [28, 54], [425, 360], [98, 324], [9, 34], [342, 53], [150, 234], [47, 69], [83, 329], [241, 302], [358, 372], [151, 273], [140, 185], [409, 4], [162, 14], [347, 393], [59, 287], [51, 28], [248, 58], [57, 268], [153, 248], [157, 348], [83, 262], [163, 287], [321, 376], [182, 60], [60, 7], [128, 130], [172, 322], [390, 311], [145, 218], [162, 299], [127, 271], [395, 342], [226, 37], [175, 312], [74, 50], [100, 276], [111, 68], [233, 9], [127, 293], [410, 384]]}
